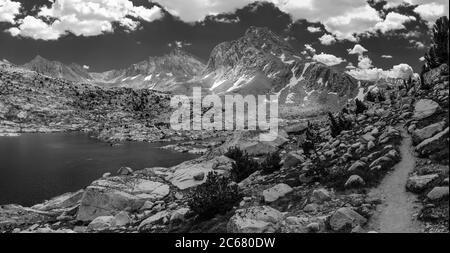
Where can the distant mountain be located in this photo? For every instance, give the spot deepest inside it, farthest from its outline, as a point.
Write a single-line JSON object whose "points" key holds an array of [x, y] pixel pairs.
{"points": [[72, 72], [159, 73]]}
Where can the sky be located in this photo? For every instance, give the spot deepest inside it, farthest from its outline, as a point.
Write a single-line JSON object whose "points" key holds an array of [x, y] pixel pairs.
{"points": [[367, 39]]}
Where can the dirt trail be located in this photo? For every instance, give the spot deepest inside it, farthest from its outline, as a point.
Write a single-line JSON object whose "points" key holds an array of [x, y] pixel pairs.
{"points": [[396, 212]]}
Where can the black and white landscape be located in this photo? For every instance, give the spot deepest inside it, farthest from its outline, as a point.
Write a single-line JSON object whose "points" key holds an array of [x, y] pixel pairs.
{"points": [[87, 144]]}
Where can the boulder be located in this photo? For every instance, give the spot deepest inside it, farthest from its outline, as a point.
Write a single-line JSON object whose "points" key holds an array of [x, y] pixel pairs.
{"points": [[251, 144], [256, 219], [417, 184], [62, 202], [354, 181], [357, 166], [293, 159], [438, 193], [152, 220], [345, 219], [122, 219], [424, 108], [124, 171], [187, 174], [420, 135], [276, 192], [383, 162], [107, 197], [320, 196], [179, 215], [101, 223], [311, 208], [370, 145], [433, 144], [390, 133], [368, 137], [313, 227], [296, 129]]}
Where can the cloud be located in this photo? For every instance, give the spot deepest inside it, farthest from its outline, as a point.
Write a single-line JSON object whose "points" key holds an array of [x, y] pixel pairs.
{"points": [[345, 19], [372, 74], [431, 11], [310, 49], [328, 59], [357, 49], [350, 66], [86, 67], [34, 28], [359, 20], [401, 71], [364, 62], [417, 44], [197, 10], [179, 44], [327, 39], [393, 21], [9, 10], [313, 29], [83, 18], [386, 56]]}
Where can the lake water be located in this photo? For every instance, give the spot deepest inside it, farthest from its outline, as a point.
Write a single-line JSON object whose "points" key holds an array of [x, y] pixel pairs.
{"points": [[37, 167]]}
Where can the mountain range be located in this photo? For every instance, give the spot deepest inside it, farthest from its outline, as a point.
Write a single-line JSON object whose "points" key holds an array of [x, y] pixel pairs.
{"points": [[260, 62]]}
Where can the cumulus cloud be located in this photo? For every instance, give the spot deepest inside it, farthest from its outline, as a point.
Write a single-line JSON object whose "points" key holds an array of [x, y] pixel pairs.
{"points": [[431, 11], [428, 10], [417, 44], [386, 56], [364, 62], [372, 74], [401, 71], [313, 29], [34, 28], [327, 39], [393, 21], [9, 10], [357, 49], [328, 59], [83, 18]]}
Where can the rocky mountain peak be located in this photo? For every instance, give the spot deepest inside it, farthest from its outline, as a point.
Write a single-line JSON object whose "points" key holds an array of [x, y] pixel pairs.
{"points": [[38, 59]]}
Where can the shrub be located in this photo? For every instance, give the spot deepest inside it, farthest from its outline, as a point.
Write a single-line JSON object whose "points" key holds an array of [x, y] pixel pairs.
{"points": [[360, 107], [243, 165], [370, 97], [339, 125], [234, 153], [217, 195], [311, 137], [334, 127], [271, 164], [307, 146]]}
